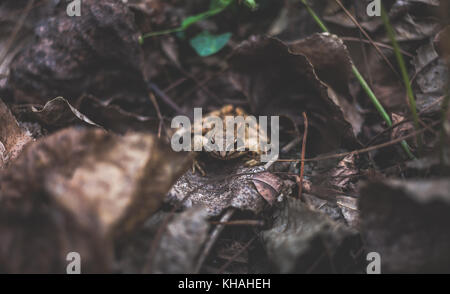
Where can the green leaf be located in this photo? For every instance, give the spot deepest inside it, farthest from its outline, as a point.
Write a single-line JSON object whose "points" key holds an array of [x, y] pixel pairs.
{"points": [[206, 44]]}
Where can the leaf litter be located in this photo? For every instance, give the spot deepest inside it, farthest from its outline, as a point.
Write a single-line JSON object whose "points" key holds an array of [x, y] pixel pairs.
{"points": [[86, 164]]}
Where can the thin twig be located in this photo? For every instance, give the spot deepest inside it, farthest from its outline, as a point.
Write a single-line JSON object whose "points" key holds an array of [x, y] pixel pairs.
{"points": [[175, 84], [379, 44], [302, 164], [364, 150], [167, 99], [158, 112], [242, 222], [214, 235], [202, 84], [16, 31], [227, 264], [368, 37], [443, 135]]}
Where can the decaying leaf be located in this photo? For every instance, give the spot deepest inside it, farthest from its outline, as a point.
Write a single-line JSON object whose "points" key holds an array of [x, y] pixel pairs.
{"points": [[13, 137], [114, 118], [442, 44], [333, 66], [305, 241], [95, 53], [403, 127], [432, 76], [181, 243], [349, 209], [268, 185], [82, 180], [278, 80], [56, 113], [326, 206], [227, 184], [406, 222]]}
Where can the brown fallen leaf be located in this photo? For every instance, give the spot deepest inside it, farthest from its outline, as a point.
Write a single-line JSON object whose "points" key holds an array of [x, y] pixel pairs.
{"points": [[81, 183], [280, 81], [181, 243], [268, 185], [442, 44], [431, 76], [402, 129], [349, 209], [55, 114], [406, 222], [114, 118], [69, 56], [13, 137], [306, 241], [333, 65], [226, 184]]}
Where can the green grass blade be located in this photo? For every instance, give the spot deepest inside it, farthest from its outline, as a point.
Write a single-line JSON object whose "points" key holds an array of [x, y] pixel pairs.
{"points": [[363, 83], [404, 72]]}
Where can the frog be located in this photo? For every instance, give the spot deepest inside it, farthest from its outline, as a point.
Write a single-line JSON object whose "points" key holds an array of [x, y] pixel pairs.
{"points": [[253, 148]]}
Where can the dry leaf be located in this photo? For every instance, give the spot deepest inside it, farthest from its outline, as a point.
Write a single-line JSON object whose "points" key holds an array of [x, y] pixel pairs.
{"points": [[406, 222], [81, 183], [13, 137], [268, 185], [305, 241], [278, 81]]}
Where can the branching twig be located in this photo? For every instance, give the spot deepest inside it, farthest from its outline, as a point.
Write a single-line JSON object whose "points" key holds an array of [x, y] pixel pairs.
{"points": [[214, 235]]}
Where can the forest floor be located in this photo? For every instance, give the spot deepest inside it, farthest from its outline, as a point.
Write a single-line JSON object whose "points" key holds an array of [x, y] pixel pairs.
{"points": [[87, 104]]}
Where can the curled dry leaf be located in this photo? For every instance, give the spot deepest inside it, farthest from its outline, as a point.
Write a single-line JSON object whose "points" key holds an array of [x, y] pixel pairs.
{"points": [[13, 137], [268, 185], [58, 113], [97, 183], [407, 223], [114, 118], [332, 63], [342, 176], [280, 81], [402, 129], [55, 114], [306, 241]]}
